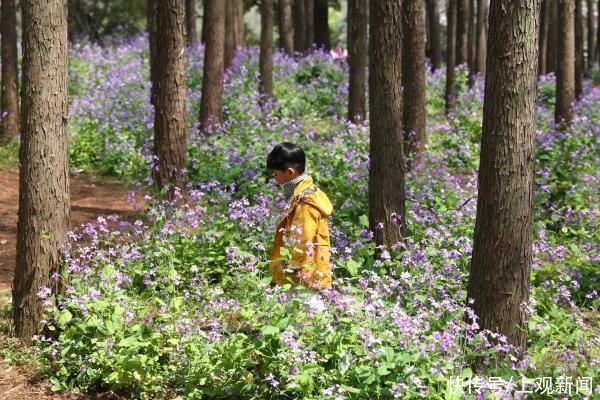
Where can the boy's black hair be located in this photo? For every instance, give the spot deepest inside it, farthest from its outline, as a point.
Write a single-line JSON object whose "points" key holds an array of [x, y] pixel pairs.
{"points": [[286, 155]]}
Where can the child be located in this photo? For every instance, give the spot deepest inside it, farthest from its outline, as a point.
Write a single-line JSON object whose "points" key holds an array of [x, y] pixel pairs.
{"points": [[303, 230]]}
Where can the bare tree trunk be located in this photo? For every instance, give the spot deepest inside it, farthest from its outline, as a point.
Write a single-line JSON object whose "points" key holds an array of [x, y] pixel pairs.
{"points": [[433, 10], [322, 24], [266, 49], [565, 67], [152, 33], [234, 21], [190, 20], [578, 48], [170, 114], [462, 24], [502, 253], [309, 23], [211, 104], [413, 77], [480, 53], [9, 99], [357, 59], [543, 40], [386, 170], [471, 37], [44, 213], [598, 36], [590, 34], [286, 30], [551, 12], [450, 54], [299, 25]]}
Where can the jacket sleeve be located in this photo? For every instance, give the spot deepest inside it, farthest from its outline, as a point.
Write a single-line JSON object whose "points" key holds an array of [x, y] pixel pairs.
{"points": [[303, 231]]}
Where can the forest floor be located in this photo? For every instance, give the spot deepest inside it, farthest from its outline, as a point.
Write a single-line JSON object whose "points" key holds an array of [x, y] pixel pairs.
{"points": [[90, 197]]}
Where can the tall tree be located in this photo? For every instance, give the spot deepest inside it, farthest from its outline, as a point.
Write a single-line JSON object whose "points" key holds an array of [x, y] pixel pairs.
{"points": [[543, 50], [299, 20], [598, 36], [565, 66], [286, 29], [386, 170], [502, 252], [190, 20], [44, 213], [357, 59], [234, 21], [211, 103], [266, 49], [450, 54], [309, 23], [462, 24], [9, 98], [152, 38], [413, 77], [471, 37], [433, 15], [169, 112], [322, 24], [578, 48], [481, 48], [590, 34], [551, 43]]}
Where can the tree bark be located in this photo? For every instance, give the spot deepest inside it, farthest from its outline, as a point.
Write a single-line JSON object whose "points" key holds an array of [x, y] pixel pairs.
{"points": [[565, 67], [44, 213], [386, 171], [9, 98], [170, 113], [190, 21], [286, 29], [578, 48], [299, 26], [462, 23], [357, 59], [211, 104], [322, 24], [481, 50], [266, 49], [471, 38], [543, 40], [234, 21], [433, 12], [598, 36], [590, 34], [413, 77], [502, 251], [309, 23], [451, 53], [551, 43]]}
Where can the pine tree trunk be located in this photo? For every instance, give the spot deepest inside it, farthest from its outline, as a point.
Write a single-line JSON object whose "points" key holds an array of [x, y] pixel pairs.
{"points": [[211, 104], [502, 251], [234, 22], [299, 19], [590, 34], [462, 24], [480, 53], [152, 33], [565, 67], [9, 98], [433, 11], [357, 59], [578, 48], [286, 30], [413, 77], [190, 20], [471, 37], [543, 47], [309, 23], [44, 213], [266, 49], [170, 113], [386, 170], [551, 43], [450, 54], [322, 24], [598, 36]]}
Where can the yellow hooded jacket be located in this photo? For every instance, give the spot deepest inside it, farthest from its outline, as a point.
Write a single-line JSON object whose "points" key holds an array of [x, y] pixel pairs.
{"points": [[303, 231]]}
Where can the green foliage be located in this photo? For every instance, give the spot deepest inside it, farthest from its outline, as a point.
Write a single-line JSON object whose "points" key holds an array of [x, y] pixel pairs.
{"points": [[9, 154]]}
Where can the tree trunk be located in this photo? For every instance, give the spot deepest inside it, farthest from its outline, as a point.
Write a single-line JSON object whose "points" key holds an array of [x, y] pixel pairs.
{"points": [[286, 30], [152, 33], [433, 11], [357, 59], [450, 54], [502, 254], [462, 24], [590, 34], [480, 53], [266, 49], [551, 43], [543, 40], [9, 102], [386, 171], [578, 48], [309, 23], [190, 20], [211, 104], [44, 213], [471, 37], [413, 77], [598, 36], [565, 67], [322, 24], [299, 26], [234, 21], [170, 113]]}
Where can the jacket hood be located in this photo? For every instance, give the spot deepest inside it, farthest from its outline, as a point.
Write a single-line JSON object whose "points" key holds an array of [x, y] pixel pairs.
{"points": [[316, 198]]}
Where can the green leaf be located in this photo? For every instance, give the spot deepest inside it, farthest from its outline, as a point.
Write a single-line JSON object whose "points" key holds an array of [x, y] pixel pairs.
{"points": [[270, 330], [363, 220], [65, 317], [352, 267]]}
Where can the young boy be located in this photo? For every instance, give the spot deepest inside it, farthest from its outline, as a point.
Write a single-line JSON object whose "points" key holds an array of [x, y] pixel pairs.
{"points": [[303, 230]]}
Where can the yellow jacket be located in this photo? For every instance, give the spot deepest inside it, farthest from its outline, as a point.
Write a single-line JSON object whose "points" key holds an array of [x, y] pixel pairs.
{"points": [[304, 233]]}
